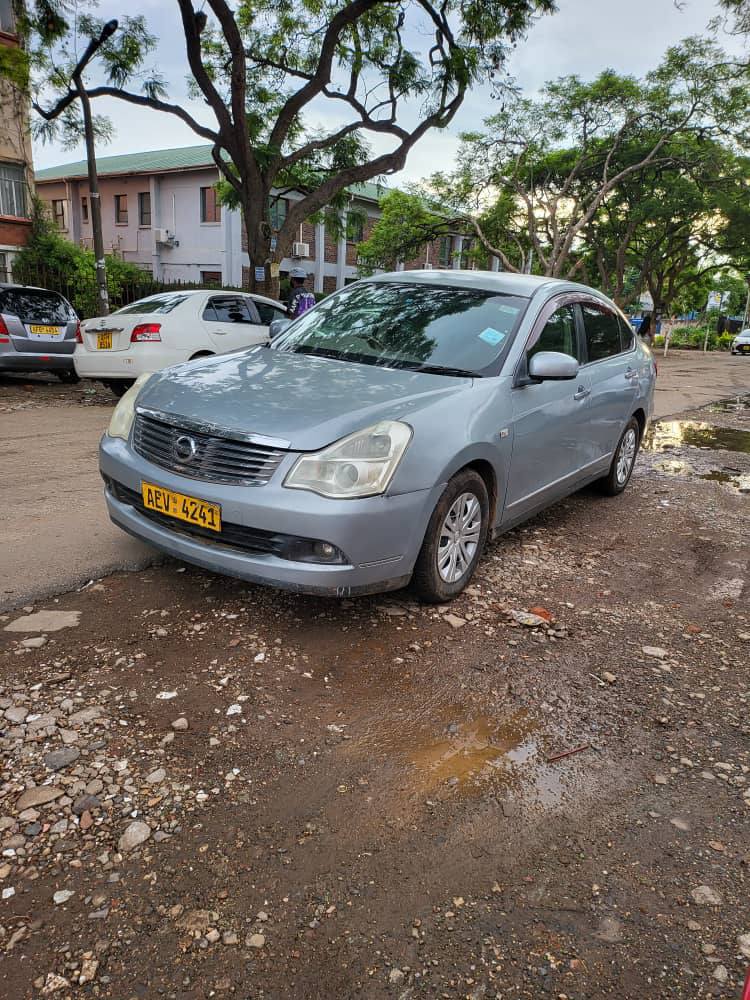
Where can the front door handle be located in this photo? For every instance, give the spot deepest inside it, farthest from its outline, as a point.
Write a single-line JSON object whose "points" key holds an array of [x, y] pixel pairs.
{"points": [[582, 393]]}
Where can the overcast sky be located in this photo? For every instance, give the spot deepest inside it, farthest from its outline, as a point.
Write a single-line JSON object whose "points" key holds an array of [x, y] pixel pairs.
{"points": [[583, 37]]}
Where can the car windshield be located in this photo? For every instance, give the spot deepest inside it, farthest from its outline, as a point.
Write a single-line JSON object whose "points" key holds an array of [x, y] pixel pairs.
{"points": [[34, 305], [153, 304], [433, 328]]}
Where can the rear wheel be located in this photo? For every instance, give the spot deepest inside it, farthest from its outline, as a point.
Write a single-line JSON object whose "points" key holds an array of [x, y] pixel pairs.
{"points": [[623, 460], [454, 539], [68, 377], [119, 386]]}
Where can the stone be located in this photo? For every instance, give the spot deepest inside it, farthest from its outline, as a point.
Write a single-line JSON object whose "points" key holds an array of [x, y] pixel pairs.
{"points": [[157, 776], [608, 677], [89, 967], [62, 896], [35, 642], [680, 824], [396, 977], [654, 651], [454, 621], [229, 937], [86, 803], [212, 936], [68, 736], [17, 714], [38, 796], [704, 895], [53, 984], [720, 974], [45, 621], [85, 716], [529, 620], [180, 724], [256, 941], [56, 760], [743, 940], [137, 833]]}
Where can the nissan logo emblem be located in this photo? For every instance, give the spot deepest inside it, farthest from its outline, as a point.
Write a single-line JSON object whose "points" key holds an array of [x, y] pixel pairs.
{"points": [[184, 448]]}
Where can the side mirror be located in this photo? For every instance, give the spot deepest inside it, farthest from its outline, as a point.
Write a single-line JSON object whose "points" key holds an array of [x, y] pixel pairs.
{"points": [[552, 366], [278, 326]]}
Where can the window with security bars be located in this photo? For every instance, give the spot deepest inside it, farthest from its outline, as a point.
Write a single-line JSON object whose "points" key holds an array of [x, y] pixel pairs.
{"points": [[13, 190]]}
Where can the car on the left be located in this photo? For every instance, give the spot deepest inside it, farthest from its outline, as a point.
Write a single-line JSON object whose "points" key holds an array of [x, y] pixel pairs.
{"points": [[38, 330]]}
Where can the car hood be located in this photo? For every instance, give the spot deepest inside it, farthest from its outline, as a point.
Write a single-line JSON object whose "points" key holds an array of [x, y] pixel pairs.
{"points": [[306, 401]]}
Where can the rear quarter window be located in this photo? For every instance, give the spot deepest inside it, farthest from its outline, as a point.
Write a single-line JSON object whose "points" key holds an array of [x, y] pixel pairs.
{"points": [[36, 306]]}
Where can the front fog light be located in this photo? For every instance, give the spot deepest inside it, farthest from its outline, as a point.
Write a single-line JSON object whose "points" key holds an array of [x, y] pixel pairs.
{"points": [[124, 415], [360, 465]]}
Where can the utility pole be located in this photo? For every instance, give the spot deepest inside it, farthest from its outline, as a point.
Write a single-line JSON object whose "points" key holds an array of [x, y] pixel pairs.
{"points": [[79, 89], [746, 315]]}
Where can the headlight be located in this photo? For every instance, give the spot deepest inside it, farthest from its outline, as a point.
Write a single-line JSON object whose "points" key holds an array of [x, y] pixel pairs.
{"points": [[124, 415], [361, 465]]}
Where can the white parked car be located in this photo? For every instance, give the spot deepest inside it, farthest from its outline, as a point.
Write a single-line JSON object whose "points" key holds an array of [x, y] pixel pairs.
{"points": [[169, 328], [741, 343]]}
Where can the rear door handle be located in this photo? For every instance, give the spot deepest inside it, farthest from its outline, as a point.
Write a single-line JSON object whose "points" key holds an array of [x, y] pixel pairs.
{"points": [[582, 393], [219, 333], [631, 374]]}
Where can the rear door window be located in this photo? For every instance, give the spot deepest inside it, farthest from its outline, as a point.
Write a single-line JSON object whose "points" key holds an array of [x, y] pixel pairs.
{"points": [[230, 309], [602, 329], [268, 313], [558, 334], [36, 306]]}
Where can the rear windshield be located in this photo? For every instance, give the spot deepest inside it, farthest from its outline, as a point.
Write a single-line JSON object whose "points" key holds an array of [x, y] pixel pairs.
{"points": [[432, 328], [153, 304], [35, 306]]}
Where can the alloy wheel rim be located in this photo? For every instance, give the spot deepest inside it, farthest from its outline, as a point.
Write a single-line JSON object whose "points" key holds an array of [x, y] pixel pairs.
{"points": [[459, 538], [626, 456]]}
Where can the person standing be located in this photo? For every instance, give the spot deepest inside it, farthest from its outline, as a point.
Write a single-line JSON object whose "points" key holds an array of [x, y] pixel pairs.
{"points": [[301, 299]]}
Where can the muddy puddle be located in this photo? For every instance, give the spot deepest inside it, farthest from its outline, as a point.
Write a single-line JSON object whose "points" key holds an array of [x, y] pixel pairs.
{"points": [[733, 478], [672, 435], [737, 404], [479, 753]]}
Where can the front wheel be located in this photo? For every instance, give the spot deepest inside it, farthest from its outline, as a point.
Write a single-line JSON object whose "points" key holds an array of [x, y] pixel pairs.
{"points": [[454, 539], [119, 386], [623, 460]]}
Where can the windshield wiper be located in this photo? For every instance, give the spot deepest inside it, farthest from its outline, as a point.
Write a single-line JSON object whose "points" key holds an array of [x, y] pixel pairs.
{"points": [[320, 352], [441, 370]]}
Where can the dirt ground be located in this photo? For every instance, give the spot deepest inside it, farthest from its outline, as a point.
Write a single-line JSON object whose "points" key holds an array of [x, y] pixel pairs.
{"points": [[262, 795]]}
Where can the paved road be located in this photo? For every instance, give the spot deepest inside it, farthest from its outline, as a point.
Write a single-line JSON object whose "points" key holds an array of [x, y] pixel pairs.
{"points": [[55, 532]]}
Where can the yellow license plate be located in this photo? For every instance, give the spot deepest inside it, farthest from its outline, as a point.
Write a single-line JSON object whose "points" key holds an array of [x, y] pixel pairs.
{"points": [[190, 509], [104, 341], [47, 331]]}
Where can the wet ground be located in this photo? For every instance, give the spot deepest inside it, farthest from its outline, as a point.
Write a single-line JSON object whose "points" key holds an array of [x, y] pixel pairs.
{"points": [[377, 798]]}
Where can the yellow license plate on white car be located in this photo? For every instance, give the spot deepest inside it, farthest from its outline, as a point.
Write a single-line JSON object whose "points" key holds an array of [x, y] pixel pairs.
{"points": [[199, 512], [104, 341]]}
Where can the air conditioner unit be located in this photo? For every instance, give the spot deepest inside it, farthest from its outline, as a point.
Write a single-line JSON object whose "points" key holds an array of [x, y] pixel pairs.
{"points": [[163, 235], [300, 249]]}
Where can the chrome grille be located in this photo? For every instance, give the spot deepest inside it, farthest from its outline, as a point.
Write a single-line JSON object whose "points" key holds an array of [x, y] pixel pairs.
{"points": [[215, 458]]}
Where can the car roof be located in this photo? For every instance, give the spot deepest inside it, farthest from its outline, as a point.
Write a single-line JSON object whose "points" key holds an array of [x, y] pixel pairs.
{"points": [[211, 291], [506, 282], [12, 285]]}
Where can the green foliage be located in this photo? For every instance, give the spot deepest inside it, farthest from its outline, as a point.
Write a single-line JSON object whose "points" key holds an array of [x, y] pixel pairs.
{"points": [[406, 223], [54, 262]]}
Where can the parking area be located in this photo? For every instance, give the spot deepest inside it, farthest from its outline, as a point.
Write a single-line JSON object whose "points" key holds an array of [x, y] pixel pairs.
{"points": [[542, 789]]}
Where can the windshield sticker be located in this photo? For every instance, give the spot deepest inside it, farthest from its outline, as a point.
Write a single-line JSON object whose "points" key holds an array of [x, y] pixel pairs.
{"points": [[510, 310], [490, 336]]}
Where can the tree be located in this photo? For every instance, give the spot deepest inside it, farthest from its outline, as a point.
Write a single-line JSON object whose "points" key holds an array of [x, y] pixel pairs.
{"points": [[264, 69]]}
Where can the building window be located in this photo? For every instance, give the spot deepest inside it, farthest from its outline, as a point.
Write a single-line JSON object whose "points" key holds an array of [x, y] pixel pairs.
{"points": [[58, 213], [12, 190], [121, 209], [444, 253], [277, 209], [210, 277], [144, 208], [4, 266], [84, 210], [210, 207], [7, 18], [355, 229]]}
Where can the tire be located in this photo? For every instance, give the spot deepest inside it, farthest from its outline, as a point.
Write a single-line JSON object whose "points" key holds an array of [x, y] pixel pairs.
{"points": [[623, 461], [68, 377], [119, 386], [433, 580]]}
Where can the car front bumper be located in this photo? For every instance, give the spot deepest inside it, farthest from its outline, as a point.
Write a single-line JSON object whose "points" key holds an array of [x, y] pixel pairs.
{"points": [[380, 536]]}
